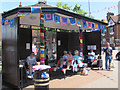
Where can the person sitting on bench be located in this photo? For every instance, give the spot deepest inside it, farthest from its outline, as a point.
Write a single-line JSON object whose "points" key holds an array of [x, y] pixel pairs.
{"points": [[91, 55], [69, 60], [64, 60], [78, 58], [31, 61]]}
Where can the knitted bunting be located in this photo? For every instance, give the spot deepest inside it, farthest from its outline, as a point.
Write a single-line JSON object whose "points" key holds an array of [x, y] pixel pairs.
{"points": [[84, 23], [78, 22], [105, 28], [64, 20], [89, 25], [12, 22], [99, 26], [93, 25], [3, 21], [36, 10], [57, 18], [72, 21], [96, 25], [48, 16]]}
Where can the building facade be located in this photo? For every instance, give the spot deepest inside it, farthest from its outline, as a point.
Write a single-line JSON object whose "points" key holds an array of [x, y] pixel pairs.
{"points": [[112, 33]]}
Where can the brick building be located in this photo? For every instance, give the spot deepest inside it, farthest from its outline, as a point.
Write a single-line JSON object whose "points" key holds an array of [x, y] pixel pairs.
{"points": [[112, 34]]}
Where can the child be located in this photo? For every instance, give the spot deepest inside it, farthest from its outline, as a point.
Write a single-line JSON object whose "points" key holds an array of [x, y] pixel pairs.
{"points": [[85, 70], [65, 58]]}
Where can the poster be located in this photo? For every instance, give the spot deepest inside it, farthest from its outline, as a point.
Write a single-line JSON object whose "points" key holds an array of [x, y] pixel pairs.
{"points": [[91, 47], [59, 42], [27, 45]]}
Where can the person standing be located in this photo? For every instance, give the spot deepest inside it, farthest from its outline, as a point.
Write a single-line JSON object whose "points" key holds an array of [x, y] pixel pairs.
{"points": [[108, 56]]}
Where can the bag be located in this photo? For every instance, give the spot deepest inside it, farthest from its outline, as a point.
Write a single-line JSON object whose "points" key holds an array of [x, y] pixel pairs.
{"points": [[75, 67], [112, 65], [45, 75]]}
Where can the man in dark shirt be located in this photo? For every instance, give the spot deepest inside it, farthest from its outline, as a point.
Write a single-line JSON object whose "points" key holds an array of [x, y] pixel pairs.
{"points": [[108, 56]]}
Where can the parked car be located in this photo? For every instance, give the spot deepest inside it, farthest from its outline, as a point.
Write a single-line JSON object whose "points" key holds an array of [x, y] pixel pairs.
{"points": [[118, 56]]}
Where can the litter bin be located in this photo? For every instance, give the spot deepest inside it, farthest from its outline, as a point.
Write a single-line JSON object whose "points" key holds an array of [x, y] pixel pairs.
{"points": [[39, 82]]}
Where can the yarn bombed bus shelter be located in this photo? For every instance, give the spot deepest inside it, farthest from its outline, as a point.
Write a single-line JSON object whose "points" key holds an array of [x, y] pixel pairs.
{"points": [[17, 26]]}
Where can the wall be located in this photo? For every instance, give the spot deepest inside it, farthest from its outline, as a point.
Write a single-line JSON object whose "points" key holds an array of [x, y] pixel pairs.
{"points": [[0, 37], [10, 71], [0, 28]]}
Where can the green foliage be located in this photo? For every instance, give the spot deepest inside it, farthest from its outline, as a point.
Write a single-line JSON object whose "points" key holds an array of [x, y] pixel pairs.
{"points": [[62, 5], [77, 8], [92, 17]]}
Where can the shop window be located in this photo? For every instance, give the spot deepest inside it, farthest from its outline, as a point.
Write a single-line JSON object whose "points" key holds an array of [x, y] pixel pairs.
{"points": [[104, 41], [112, 40], [117, 41], [111, 30]]}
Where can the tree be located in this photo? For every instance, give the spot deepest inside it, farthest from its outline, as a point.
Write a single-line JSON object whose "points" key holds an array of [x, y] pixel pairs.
{"points": [[77, 8], [91, 16], [63, 5]]}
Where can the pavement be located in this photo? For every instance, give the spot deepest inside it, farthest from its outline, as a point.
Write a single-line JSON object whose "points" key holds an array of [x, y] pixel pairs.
{"points": [[95, 79], [108, 81]]}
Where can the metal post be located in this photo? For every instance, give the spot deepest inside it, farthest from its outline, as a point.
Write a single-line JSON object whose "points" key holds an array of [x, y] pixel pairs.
{"points": [[89, 7]]}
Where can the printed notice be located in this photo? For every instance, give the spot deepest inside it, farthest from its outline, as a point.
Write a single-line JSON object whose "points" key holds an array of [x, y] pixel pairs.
{"points": [[59, 42], [27, 45]]}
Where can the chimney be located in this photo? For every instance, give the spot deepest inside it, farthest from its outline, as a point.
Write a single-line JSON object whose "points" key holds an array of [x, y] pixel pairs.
{"points": [[109, 14], [42, 2], [20, 4]]}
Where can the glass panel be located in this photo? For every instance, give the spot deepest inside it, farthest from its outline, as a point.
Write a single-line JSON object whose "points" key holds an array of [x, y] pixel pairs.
{"points": [[104, 41], [51, 45], [36, 42], [117, 41], [111, 40]]}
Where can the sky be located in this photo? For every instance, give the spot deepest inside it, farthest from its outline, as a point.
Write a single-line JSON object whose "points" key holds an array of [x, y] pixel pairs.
{"points": [[97, 7]]}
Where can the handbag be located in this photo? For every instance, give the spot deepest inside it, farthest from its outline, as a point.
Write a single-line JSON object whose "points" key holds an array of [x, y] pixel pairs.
{"points": [[112, 65]]}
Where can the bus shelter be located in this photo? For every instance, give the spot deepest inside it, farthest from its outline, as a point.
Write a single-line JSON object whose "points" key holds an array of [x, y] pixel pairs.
{"points": [[41, 27]]}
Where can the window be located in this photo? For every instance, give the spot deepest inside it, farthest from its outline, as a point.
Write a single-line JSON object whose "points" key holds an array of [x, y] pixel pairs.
{"points": [[103, 41], [103, 32], [111, 30], [112, 40], [117, 41]]}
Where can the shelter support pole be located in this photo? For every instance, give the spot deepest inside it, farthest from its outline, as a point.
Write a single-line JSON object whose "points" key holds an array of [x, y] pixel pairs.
{"points": [[81, 41], [42, 40]]}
